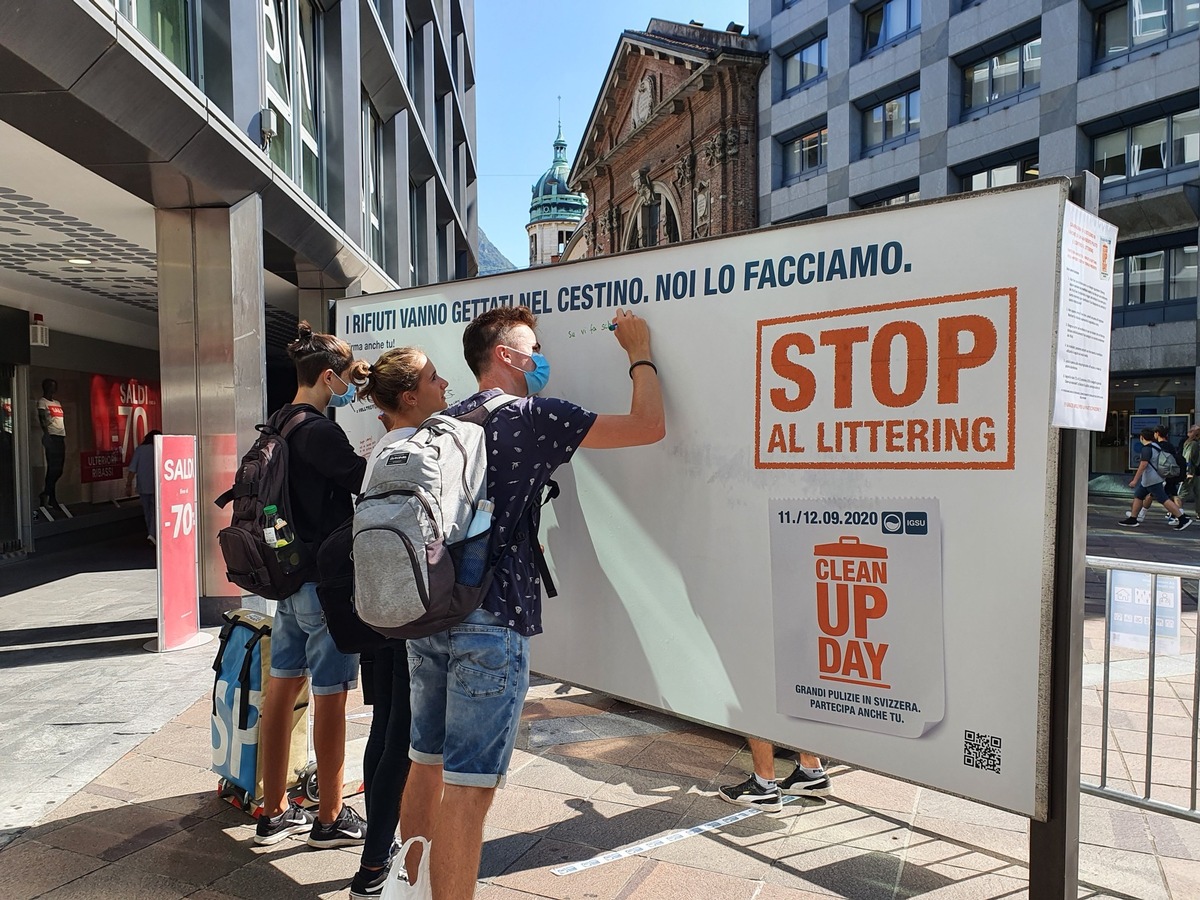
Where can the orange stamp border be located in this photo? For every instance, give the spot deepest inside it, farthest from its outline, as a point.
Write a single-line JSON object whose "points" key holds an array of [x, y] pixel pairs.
{"points": [[1007, 463]]}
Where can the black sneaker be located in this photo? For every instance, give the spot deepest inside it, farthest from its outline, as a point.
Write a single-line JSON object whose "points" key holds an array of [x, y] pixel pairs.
{"points": [[368, 884], [751, 793], [1184, 522], [1129, 522], [347, 830], [801, 784], [293, 820]]}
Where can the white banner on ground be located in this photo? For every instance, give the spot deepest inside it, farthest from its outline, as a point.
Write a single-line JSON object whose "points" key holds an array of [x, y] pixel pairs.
{"points": [[833, 364]]}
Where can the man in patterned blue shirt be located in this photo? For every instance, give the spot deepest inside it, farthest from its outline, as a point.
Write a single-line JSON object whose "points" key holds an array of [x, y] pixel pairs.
{"points": [[464, 724]]}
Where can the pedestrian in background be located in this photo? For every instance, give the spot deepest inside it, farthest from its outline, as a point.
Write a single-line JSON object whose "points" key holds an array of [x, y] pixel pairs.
{"points": [[1191, 456], [1148, 485], [141, 464], [1162, 437]]}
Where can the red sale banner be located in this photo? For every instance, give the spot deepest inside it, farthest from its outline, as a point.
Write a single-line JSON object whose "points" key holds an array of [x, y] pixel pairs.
{"points": [[100, 465], [124, 411], [176, 497]]}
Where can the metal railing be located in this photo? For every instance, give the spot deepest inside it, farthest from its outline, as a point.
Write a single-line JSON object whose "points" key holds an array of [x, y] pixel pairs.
{"points": [[1144, 801]]}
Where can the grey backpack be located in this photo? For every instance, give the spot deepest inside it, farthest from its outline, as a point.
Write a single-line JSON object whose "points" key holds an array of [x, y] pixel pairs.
{"points": [[415, 572]]}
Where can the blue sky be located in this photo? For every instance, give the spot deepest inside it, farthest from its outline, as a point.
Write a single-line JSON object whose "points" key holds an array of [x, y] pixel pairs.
{"points": [[527, 52]]}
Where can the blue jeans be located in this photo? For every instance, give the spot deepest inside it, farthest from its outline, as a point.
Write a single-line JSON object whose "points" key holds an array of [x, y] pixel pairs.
{"points": [[301, 645], [468, 685]]}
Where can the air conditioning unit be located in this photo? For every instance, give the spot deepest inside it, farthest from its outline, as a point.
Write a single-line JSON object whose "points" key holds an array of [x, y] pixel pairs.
{"points": [[39, 334]]}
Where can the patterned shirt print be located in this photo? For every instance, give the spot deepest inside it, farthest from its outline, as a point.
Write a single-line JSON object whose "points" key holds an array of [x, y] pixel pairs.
{"points": [[526, 440]]}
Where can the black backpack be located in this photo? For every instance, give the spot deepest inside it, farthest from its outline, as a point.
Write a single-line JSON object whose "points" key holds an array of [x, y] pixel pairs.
{"points": [[335, 591], [261, 481]]}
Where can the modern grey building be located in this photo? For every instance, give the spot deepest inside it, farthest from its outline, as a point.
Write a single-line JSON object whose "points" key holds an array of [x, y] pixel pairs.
{"points": [[180, 180], [868, 104]]}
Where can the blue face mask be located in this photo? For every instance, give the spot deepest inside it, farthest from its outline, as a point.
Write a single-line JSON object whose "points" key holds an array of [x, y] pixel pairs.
{"points": [[536, 380], [345, 398]]}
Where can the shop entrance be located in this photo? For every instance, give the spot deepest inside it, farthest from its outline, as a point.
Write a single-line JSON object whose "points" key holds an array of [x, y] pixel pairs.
{"points": [[1137, 401]]}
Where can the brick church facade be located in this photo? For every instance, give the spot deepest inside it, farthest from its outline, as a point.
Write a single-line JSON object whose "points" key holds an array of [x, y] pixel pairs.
{"points": [[670, 151]]}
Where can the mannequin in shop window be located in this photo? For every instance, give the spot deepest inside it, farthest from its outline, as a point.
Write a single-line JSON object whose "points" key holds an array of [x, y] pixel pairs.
{"points": [[54, 440]]}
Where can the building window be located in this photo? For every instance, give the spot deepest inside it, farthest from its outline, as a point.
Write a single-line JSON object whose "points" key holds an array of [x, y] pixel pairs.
{"points": [[1153, 282], [167, 24], [1120, 29], [898, 200], [890, 22], [290, 45], [998, 176], [1002, 75], [654, 223], [892, 121], [805, 155], [1170, 142], [805, 66], [418, 236], [372, 187]]}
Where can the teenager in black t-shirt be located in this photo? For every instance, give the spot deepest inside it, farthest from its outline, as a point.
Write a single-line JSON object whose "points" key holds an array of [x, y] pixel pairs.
{"points": [[323, 471]]}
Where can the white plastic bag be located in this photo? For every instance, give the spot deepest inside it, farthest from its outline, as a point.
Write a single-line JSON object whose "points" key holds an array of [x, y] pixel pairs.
{"points": [[397, 886]]}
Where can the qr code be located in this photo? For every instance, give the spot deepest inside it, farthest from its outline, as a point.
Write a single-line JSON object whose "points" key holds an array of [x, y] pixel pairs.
{"points": [[981, 751]]}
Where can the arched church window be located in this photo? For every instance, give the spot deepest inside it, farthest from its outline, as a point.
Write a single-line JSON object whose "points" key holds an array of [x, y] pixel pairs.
{"points": [[654, 222]]}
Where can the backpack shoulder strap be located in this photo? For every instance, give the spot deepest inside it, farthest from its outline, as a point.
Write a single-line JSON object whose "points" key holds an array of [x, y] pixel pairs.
{"points": [[482, 414], [293, 420], [501, 399]]}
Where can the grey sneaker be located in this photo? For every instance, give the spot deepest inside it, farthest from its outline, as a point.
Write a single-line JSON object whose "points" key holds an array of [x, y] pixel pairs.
{"points": [[801, 784], [750, 793], [347, 830]]}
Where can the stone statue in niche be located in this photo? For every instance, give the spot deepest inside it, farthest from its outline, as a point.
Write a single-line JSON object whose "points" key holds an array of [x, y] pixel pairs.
{"points": [[703, 208], [685, 171], [641, 184], [643, 99]]}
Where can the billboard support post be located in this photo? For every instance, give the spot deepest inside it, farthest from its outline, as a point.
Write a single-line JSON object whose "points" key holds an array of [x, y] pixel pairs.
{"points": [[1054, 844]]}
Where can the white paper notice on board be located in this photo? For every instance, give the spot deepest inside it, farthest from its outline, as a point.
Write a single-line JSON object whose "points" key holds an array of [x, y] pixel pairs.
{"points": [[857, 591], [1085, 292]]}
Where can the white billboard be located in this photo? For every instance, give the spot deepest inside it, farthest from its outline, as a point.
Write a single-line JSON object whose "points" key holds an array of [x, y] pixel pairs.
{"points": [[845, 542]]}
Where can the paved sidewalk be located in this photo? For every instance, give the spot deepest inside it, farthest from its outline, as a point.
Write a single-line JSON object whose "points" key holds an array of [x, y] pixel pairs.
{"points": [[591, 774]]}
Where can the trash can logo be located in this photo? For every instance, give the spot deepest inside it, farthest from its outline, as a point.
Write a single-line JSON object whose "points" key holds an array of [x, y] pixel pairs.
{"points": [[851, 581]]}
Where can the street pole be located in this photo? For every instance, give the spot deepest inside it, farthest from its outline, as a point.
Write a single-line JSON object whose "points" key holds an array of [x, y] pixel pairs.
{"points": [[1054, 844]]}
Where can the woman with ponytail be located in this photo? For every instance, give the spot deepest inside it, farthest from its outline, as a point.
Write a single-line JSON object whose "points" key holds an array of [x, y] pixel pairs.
{"points": [[406, 388]]}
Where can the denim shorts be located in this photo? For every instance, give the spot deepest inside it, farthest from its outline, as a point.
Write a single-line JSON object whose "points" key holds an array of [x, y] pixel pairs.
{"points": [[467, 687], [301, 645], [1157, 491]]}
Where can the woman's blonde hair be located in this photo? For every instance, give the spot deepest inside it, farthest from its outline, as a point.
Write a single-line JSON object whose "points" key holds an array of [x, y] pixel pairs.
{"points": [[396, 371]]}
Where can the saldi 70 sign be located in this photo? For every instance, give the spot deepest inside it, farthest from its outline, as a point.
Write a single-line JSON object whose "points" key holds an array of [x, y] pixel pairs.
{"points": [[918, 384]]}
